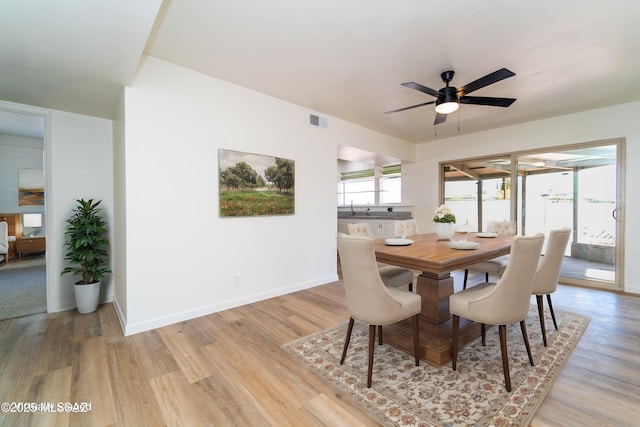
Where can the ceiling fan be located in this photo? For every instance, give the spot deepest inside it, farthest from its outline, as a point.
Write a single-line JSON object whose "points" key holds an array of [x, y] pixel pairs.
{"points": [[449, 97]]}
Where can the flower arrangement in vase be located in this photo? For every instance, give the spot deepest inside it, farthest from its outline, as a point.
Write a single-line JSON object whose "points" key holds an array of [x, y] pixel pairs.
{"points": [[445, 222]]}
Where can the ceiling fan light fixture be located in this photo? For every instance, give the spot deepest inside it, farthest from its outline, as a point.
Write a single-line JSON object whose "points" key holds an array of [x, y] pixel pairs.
{"points": [[447, 102], [447, 107]]}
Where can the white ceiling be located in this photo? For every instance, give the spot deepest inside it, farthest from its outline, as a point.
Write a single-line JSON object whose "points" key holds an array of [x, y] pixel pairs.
{"points": [[339, 58]]}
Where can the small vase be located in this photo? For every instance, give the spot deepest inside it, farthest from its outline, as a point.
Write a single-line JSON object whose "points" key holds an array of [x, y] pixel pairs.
{"points": [[445, 230]]}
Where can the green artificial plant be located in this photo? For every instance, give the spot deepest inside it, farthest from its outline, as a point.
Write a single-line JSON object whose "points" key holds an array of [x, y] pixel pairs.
{"points": [[86, 243]]}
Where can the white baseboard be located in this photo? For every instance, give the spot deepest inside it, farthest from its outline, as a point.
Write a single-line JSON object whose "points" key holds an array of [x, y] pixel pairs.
{"points": [[147, 325], [121, 317]]}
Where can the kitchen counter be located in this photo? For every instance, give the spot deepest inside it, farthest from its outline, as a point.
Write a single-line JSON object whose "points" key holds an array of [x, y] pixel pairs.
{"points": [[359, 214]]}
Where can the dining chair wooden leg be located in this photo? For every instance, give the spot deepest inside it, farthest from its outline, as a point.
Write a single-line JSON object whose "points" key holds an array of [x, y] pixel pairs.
{"points": [[347, 340], [525, 336], [483, 332], [455, 326], [379, 334], [372, 340], [553, 316], [466, 275], [505, 355], [540, 303], [416, 339]]}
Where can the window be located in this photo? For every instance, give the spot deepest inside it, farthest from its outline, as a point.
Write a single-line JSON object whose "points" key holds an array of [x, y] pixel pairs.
{"points": [[371, 186], [391, 185], [478, 191]]}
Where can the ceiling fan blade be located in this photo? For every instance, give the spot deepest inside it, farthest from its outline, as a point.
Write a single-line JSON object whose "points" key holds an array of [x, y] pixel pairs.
{"points": [[424, 89], [487, 80], [487, 100], [408, 108], [440, 118]]}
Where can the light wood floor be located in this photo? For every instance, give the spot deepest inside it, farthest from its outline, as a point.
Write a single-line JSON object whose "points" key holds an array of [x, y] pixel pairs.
{"points": [[228, 368]]}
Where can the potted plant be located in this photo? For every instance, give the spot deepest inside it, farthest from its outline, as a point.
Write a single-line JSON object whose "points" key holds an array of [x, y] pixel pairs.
{"points": [[87, 242], [445, 223]]}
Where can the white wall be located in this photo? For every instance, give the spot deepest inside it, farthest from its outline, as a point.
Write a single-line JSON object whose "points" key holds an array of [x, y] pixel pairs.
{"points": [[181, 256], [79, 162], [119, 224], [620, 121]]}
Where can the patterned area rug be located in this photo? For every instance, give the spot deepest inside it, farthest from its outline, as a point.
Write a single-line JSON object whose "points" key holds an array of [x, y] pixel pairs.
{"points": [[403, 394]]}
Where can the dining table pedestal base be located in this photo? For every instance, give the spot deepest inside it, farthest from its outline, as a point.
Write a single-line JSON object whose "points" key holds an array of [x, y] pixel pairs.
{"points": [[435, 289], [434, 322]]}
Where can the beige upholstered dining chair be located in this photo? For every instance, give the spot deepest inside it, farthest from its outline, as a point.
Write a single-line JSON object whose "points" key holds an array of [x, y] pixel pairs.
{"points": [[369, 300], [501, 303], [360, 229], [391, 275], [405, 228], [4, 241], [495, 265], [546, 279]]}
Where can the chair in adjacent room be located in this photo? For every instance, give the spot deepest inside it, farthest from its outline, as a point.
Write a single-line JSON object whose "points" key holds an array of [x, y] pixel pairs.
{"points": [[495, 265], [546, 279], [405, 228], [4, 241], [360, 229], [369, 300], [502, 303], [391, 275]]}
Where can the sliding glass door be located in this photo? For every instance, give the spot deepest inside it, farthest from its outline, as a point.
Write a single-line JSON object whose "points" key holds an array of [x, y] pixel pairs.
{"points": [[570, 187], [578, 189]]}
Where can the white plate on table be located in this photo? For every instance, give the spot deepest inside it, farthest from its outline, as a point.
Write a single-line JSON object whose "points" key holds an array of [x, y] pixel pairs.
{"points": [[463, 244], [398, 242], [486, 234]]}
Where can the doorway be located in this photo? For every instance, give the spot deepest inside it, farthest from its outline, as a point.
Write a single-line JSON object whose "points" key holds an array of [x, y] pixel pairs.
{"points": [[578, 186], [23, 282]]}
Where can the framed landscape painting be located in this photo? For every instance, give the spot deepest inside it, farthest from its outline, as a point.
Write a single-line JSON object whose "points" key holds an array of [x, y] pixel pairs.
{"points": [[255, 184], [30, 187]]}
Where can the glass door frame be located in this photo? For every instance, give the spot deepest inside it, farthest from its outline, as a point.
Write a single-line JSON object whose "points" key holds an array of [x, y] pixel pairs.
{"points": [[516, 205]]}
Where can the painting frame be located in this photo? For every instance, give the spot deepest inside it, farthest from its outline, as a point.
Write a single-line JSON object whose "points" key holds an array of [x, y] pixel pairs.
{"points": [[30, 187], [251, 184]]}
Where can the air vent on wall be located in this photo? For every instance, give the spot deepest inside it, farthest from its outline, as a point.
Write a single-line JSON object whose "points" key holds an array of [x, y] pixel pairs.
{"points": [[319, 122]]}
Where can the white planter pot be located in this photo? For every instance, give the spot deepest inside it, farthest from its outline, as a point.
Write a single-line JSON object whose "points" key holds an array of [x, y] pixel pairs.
{"points": [[87, 297], [445, 230]]}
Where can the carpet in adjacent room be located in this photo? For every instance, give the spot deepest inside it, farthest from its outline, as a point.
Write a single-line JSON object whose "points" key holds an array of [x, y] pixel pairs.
{"points": [[22, 291]]}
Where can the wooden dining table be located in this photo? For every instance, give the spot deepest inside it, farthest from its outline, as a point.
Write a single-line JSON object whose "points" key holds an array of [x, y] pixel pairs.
{"points": [[435, 260]]}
